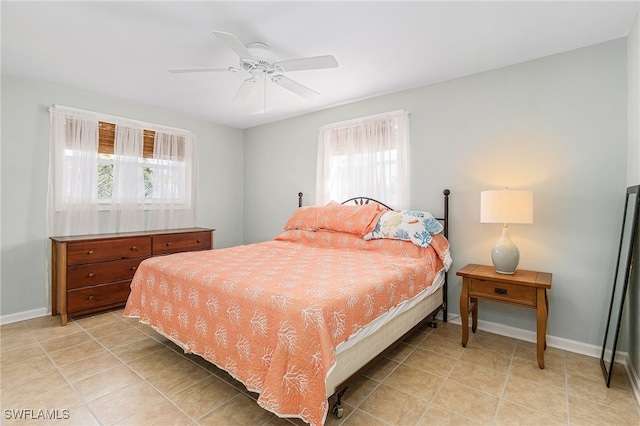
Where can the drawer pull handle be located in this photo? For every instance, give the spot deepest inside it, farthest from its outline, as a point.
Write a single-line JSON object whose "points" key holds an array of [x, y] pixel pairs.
{"points": [[500, 290], [90, 252], [168, 244], [90, 297], [133, 268], [134, 248], [199, 241], [90, 275]]}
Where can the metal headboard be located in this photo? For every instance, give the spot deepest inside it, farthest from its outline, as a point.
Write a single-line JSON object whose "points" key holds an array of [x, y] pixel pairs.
{"points": [[365, 200]]}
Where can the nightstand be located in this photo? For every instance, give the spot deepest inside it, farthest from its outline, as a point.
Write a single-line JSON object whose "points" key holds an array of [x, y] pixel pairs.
{"points": [[524, 288]]}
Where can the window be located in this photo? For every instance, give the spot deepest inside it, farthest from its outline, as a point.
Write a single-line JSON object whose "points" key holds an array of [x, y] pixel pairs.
{"points": [[160, 171], [120, 166], [365, 157]]}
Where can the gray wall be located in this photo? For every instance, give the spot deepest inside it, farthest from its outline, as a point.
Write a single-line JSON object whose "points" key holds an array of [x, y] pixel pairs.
{"points": [[631, 326], [556, 125], [25, 159]]}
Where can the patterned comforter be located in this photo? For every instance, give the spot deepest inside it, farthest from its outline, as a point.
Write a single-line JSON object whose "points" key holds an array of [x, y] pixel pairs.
{"points": [[272, 313]]}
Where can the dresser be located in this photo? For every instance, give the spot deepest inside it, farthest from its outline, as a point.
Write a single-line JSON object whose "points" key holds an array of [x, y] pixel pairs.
{"points": [[93, 273]]}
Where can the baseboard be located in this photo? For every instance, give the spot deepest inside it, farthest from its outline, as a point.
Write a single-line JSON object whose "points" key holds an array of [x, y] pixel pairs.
{"points": [[633, 376], [530, 336], [23, 316], [559, 343]]}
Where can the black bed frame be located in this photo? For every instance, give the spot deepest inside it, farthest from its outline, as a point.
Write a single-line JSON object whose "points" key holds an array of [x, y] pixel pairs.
{"points": [[339, 391]]}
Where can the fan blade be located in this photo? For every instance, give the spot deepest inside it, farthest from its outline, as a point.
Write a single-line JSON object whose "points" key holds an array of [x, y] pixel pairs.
{"points": [[234, 44], [244, 90], [295, 87], [187, 70], [312, 63]]}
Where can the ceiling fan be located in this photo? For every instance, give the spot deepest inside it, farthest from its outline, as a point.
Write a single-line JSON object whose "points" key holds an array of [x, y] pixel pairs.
{"points": [[257, 59]]}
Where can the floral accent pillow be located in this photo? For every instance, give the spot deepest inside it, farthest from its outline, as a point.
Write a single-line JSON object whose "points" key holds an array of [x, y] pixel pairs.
{"points": [[353, 219], [408, 225]]}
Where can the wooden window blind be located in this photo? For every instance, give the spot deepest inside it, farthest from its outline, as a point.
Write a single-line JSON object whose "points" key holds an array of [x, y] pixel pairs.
{"points": [[107, 136]]}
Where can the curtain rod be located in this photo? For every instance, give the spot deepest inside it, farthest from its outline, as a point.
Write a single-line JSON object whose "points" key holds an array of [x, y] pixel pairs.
{"points": [[106, 117], [367, 118]]}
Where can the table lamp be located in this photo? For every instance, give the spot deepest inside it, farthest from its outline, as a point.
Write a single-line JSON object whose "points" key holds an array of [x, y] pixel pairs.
{"points": [[506, 206]]}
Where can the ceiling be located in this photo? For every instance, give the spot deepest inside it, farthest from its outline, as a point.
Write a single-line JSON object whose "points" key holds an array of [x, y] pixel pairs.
{"points": [[125, 49]]}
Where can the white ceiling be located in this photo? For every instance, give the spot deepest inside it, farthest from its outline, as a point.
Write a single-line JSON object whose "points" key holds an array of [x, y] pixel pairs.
{"points": [[124, 49]]}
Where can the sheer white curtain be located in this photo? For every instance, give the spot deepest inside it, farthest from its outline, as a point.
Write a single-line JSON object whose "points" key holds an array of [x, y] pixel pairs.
{"points": [[128, 189], [365, 157], [126, 210], [172, 186], [73, 172]]}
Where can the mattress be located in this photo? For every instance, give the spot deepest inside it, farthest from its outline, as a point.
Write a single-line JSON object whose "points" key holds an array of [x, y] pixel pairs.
{"points": [[365, 345]]}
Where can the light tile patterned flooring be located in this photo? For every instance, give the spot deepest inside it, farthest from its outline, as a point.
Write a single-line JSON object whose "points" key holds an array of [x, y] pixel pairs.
{"points": [[106, 369]]}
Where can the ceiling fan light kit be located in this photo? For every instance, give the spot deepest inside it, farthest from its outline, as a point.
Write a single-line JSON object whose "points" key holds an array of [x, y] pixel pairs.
{"points": [[257, 59]]}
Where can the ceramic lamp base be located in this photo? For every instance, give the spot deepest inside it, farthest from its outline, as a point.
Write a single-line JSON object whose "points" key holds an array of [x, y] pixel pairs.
{"points": [[505, 254]]}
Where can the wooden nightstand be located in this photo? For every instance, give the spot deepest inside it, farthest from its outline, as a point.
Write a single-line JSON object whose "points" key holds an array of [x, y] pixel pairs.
{"points": [[524, 288]]}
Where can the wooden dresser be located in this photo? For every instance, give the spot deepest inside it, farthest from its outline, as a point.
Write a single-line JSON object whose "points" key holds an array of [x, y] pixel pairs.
{"points": [[92, 273]]}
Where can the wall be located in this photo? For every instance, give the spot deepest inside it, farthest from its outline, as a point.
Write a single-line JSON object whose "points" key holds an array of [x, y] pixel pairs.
{"points": [[556, 125], [631, 326], [25, 157]]}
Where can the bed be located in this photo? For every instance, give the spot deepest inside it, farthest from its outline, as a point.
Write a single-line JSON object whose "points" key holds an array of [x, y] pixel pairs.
{"points": [[295, 319]]}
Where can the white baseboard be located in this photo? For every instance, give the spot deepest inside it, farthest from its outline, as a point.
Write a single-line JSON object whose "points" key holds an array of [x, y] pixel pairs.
{"points": [[530, 336], [633, 376], [22, 316], [559, 343]]}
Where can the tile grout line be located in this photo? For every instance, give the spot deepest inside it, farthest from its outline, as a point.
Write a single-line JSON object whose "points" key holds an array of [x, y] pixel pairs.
{"points": [[85, 404], [414, 345], [381, 382], [504, 385], [165, 397], [67, 380], [430, 405], [566, 384], [211, 374]]}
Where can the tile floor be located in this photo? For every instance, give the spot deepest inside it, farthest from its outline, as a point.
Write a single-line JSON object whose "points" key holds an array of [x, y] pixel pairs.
{"points": [[106, 370]]}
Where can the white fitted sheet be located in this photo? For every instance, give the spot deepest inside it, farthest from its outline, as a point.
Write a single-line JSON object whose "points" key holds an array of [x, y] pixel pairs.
{"points": [[368, 342]]}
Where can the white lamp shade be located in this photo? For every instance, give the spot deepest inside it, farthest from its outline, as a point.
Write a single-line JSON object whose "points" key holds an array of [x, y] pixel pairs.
{"points": [[506, 206]]}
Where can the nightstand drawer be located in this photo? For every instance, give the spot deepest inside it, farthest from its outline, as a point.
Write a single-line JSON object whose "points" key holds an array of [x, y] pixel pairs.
{"points": [[503, 292]]}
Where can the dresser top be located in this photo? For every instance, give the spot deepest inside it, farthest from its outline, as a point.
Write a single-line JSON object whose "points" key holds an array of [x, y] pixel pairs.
{"points": [[71, 238]]}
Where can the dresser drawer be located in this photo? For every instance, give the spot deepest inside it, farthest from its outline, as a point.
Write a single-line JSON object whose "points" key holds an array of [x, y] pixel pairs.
{"points": [[102, 272], [503, 292], [94, 297], [175, 243], [105, 250]]}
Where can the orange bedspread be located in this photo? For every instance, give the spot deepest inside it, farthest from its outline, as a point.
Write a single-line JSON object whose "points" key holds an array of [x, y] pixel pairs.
{"points": [[272, 313]]}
